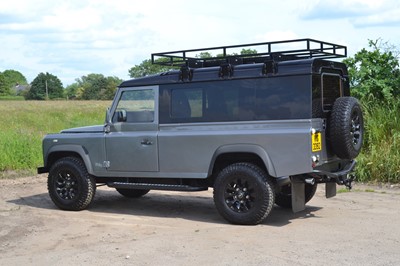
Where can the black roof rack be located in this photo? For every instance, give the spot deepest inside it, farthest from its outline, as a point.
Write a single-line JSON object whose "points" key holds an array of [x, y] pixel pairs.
{"points": [[276, 51]]}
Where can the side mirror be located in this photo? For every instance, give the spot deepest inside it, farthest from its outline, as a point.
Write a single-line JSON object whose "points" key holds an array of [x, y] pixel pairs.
{"points": [[121, 115]]}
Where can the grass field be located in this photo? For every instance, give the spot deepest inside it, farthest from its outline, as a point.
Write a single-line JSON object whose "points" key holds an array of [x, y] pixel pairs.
{"points": [[26, 122]]}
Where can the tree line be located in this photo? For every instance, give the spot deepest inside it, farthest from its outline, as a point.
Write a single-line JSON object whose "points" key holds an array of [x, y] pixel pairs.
{"points": [[47, 86]]}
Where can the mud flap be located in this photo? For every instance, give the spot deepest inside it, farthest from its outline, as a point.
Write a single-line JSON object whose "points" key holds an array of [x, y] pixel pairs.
{"points": [[330, 190], [298, 195]]}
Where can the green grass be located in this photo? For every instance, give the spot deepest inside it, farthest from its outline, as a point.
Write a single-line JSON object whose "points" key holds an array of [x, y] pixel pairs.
{"points": [[379, 160], [343, 190], [11, 98], [26, 122]]}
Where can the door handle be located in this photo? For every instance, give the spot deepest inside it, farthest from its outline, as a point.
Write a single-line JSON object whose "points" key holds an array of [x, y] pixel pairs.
{"points": [[146, 142]]}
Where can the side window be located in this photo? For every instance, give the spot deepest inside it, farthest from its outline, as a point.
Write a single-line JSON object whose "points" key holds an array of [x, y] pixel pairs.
{"points": [[135, 106], [186, 103], [246, 102], [221, 103]]}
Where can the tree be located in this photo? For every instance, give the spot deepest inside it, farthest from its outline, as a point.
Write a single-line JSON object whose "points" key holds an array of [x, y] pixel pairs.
{"points": [[375, 72], [204, 55], [14, 78], [147, 68], [38, 90], [92, 84], [93, 87], [4, 90], [108, 92], [71, 91], [248, 51]]}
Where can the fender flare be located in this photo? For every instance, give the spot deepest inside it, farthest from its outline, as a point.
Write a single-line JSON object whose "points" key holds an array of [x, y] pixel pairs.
{"points": [[244, 148]]}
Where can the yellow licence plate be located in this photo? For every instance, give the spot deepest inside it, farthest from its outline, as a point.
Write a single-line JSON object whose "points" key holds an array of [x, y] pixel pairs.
{"points": [[316, 142]]}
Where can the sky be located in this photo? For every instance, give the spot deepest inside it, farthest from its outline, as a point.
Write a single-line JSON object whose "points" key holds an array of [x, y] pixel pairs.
{"points": [[73, 38]]}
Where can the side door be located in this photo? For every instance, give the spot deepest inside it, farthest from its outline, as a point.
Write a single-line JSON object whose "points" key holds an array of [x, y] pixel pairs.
{"points": [[131, 143]]}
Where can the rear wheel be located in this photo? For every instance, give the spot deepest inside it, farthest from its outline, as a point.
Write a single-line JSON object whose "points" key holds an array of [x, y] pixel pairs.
{"points": [[69, 184], [284, 197], [132, 193], [243, 194]]}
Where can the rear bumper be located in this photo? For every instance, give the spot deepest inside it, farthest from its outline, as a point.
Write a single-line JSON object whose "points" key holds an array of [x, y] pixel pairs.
{"points": [[339, 172], [342, 172]]}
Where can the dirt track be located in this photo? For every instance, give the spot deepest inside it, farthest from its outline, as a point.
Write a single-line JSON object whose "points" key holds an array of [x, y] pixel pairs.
{"points": [[170, 228]]}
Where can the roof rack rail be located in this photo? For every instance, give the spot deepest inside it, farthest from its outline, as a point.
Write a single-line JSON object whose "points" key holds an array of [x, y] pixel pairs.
{"points": [[266, 51]]}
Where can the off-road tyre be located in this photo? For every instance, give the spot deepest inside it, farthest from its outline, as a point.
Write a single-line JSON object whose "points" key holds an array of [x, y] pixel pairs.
{"points": [[284, 197], [346, 128], [132, 193], [69, 184], [243, 194]]}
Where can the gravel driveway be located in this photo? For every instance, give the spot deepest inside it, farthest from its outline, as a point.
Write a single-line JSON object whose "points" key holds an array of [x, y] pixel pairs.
{"points": [[175, 228]]}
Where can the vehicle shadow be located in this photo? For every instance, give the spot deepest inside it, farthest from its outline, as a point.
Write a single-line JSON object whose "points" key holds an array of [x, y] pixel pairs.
{"points": [[191, 206]]}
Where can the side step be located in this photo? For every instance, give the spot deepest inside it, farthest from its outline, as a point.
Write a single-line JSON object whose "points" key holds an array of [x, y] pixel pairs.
{"points": [[155, 186]]}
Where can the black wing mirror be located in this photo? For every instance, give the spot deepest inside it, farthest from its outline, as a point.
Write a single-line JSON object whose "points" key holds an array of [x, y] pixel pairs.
{"points": [[121, 115]]}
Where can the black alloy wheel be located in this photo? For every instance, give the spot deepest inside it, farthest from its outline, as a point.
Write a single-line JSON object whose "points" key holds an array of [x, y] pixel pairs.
{"points": [[69, 184], [243, 194]]}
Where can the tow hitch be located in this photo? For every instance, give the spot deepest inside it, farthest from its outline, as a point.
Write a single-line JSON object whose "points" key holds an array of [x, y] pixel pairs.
{"points": [[347, 181]]}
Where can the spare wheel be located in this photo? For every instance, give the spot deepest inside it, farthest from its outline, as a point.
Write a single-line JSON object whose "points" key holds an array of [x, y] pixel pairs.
{"points": [[346, 128]]}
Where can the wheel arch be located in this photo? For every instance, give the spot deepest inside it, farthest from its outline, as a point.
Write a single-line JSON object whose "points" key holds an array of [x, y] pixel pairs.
{"points": [[229, 154], [60, 151]]}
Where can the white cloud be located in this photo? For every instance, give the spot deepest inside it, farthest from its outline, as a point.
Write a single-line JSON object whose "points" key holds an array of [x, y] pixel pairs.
{"points": [[356, 11], [74, 38], [389, 18], [277, 36]]}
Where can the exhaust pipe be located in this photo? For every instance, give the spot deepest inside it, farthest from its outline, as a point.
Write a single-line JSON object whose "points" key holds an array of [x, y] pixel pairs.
{"points": [[310, 181]]}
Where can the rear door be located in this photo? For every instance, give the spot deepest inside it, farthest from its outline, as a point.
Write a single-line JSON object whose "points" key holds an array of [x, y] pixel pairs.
{"points": [[131, 144], [328, 85]]}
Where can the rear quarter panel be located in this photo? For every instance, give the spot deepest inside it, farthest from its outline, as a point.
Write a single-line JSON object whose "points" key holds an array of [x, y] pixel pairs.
{"points": [[190, 148]]}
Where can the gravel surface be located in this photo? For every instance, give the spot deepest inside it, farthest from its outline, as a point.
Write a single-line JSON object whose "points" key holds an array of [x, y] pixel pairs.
{"points": [[174, 228]]}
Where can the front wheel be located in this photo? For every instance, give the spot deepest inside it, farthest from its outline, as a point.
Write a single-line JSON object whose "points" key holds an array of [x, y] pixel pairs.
{"points": [[69, 184], [243, 194]]}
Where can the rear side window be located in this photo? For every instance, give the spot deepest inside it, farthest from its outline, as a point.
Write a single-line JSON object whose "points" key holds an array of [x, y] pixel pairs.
{"points": [[236, 100], [186, 104], [331, 89]]}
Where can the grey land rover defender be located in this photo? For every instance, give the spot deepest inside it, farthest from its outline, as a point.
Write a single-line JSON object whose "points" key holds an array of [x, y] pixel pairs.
{"points": [[260, 129]]}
